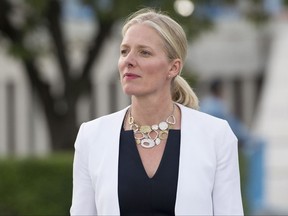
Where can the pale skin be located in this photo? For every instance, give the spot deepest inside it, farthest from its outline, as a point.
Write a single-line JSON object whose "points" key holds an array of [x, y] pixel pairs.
{"points": [[146, 74]]}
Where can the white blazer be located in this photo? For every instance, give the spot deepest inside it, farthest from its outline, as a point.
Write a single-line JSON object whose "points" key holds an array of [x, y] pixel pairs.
{"points": [[208, 180]]}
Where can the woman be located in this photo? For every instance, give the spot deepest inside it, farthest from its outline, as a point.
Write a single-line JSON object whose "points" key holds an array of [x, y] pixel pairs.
{"points": [[159, 156]]}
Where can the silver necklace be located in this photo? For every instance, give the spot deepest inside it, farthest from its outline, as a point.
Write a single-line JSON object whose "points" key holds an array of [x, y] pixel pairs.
{"points": [[149, 136]]}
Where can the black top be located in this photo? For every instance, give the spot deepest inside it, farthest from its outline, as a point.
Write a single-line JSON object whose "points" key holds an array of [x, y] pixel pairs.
{"points": [[140, 195]]}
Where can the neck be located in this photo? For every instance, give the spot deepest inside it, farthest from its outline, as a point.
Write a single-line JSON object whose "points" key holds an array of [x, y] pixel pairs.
{"points": [[150, 112]]}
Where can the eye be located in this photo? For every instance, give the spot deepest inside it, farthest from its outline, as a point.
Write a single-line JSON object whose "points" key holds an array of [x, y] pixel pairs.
{"points": [[123, 52], [145, 53]]}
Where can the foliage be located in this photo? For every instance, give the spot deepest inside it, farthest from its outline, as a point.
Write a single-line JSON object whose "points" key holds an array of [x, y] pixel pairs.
{"points": [[36, 186], [44, 186]]}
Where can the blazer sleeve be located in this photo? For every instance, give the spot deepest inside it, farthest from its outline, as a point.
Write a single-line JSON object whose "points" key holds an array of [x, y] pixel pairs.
{"points": [[83, 197], [226, 191]]}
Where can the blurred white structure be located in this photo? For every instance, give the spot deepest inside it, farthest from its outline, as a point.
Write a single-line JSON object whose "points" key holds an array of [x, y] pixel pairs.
{"points": [[19, 113], [272, 120]]}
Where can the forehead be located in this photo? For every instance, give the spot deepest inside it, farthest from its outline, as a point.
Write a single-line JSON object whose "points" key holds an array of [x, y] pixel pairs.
{"points": [[142, 34]]}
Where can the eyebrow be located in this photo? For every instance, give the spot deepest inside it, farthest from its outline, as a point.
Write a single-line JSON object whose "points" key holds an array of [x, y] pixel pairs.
{"points": [[138, 46]]}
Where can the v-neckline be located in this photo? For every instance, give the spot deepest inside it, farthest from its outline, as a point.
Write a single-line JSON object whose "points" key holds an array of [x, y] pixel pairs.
{"points": [[139, 160]]}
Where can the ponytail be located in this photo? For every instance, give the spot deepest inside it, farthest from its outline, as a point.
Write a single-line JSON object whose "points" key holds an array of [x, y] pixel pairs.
{"points": [[182, 93]]}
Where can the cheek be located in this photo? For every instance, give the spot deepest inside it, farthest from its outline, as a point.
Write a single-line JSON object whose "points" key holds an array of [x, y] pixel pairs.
{"points": [[120, 65], [121, 68], [158, 68]]}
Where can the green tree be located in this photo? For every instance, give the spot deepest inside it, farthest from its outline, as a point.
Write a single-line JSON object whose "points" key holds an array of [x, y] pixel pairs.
{"points": [[48, 15]]}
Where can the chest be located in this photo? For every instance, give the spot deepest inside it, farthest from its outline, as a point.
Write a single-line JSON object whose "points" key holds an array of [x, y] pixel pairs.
{"points": [[151, 158]]}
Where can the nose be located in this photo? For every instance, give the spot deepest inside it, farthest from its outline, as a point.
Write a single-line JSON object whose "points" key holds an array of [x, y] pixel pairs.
{"points": [[130, 60]]}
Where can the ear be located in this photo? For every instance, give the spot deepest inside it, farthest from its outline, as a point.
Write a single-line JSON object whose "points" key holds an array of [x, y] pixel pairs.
{"points": [[175, 68]]}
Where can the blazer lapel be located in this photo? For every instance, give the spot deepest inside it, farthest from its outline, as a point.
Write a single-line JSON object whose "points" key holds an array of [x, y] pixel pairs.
{"points": [[196, 165], [107, 160], [187, 181], [183, 179]]}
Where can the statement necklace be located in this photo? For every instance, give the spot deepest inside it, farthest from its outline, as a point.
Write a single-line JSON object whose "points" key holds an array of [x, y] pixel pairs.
{"points": [[149, 136]]}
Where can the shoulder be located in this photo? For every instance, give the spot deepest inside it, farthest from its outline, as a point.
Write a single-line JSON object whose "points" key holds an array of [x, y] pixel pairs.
{"points": [[204, 123], [91, 130], [106, 120], [96, 127], [213, 133]]}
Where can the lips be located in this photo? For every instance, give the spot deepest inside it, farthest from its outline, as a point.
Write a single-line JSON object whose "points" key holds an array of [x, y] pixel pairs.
{"points": [[130, 76]]}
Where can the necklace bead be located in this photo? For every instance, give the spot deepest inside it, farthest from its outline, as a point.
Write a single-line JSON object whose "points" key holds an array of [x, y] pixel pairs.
{"points": [[163, 126]]}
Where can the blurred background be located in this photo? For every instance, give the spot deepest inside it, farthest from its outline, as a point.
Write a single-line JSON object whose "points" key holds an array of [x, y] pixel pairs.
{"points": [[58, 68]]}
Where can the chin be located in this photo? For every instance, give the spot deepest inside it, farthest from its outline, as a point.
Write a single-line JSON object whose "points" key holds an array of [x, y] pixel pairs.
{"points": [[133, 92], [129, 91]]}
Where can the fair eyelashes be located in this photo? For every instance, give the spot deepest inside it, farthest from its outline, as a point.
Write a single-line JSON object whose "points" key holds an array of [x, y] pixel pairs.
{"points": [[142, 52], [145, 53]]}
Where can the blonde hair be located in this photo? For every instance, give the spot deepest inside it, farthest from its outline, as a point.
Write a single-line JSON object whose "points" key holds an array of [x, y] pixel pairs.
{"points": [[175, 44]]}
